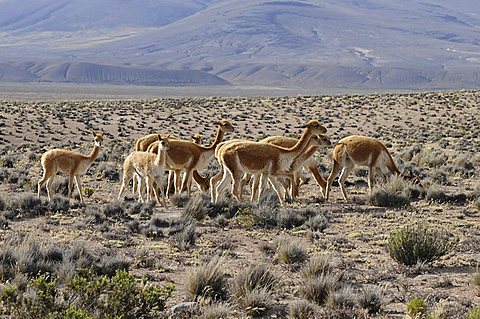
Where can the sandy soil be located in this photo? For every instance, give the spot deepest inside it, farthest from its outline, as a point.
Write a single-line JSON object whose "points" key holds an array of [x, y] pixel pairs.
{"points": [[357, 233]]}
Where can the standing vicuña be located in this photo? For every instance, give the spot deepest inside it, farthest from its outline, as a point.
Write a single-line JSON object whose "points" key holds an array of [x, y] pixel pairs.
{"points": [[242, 157], [148, 167], [359, 150], [72, 163]]}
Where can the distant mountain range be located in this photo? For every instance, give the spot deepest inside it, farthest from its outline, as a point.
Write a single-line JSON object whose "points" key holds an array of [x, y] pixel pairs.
{"points": [[329, 44]]}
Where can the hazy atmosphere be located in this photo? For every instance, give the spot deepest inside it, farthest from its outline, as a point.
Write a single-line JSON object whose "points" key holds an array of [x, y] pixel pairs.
{"points": [[364, 44]]}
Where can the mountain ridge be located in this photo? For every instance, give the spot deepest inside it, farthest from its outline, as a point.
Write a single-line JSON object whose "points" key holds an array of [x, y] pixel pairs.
{"points": [[363, 43]]}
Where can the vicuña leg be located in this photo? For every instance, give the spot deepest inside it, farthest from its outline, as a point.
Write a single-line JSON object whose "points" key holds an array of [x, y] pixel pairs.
{"points": [[79, 187], [343, 177]]}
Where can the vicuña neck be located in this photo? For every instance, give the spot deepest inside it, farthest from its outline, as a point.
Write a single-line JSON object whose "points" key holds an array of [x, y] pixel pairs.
{"points": [[161, 156], [218, 139], [93, 154], [302, 142]]}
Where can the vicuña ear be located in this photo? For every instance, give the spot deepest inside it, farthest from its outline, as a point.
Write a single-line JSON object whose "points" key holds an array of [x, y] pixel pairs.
{"points": [[159, 137]]}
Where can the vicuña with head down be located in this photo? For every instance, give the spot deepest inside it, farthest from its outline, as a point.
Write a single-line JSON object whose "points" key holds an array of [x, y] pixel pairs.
{"points": [[357, 150]]}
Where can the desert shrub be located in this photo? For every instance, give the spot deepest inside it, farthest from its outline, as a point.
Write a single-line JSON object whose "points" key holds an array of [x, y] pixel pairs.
{"points": [[474, 313], [371, 299], [207, 281], [114, 210], [318, 289], [346, 313], [301, 309], [417, 307], [8, 160], [436, 193], [4, 174], [256, 302], [31, 206], [430, 158], [256, 276], [316, 225], [2, 204], [289, 218], [440, 177], [291, 253], [154, 228], [179, 200], [8, 260], [343, 298], [463, 166], [184, 234], [108, 171], [394, 193], [197, 207], [217, 311], [317, 266], [58, 204], [221, 220], [109, 265], [269, 198], [476, 204], [412, 244], [34, 257], [226, 208], [265, 215], [476, 279]]}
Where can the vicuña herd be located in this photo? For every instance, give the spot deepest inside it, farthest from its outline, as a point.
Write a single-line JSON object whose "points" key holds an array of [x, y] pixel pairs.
{"points": [[277, 160]]}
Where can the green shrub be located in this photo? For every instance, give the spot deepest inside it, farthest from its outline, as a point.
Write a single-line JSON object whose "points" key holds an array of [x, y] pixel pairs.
{"points": [[417, 307], [419, 244], [208, 280], [474, 313], [120, 296], [88, 191]]}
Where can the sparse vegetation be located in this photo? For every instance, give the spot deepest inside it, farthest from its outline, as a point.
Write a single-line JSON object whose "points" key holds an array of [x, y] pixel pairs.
{"points": [[346, 241]]}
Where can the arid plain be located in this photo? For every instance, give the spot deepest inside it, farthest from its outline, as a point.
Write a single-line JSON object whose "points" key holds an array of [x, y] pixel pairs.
{"points": [[435, 134]]}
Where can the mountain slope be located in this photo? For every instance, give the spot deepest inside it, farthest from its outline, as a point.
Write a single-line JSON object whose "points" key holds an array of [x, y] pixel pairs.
{"points": [[332, 43], [80, 72]]}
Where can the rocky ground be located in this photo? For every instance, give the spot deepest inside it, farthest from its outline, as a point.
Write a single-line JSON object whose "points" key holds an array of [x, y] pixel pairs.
{"points": [[436, 135]]}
